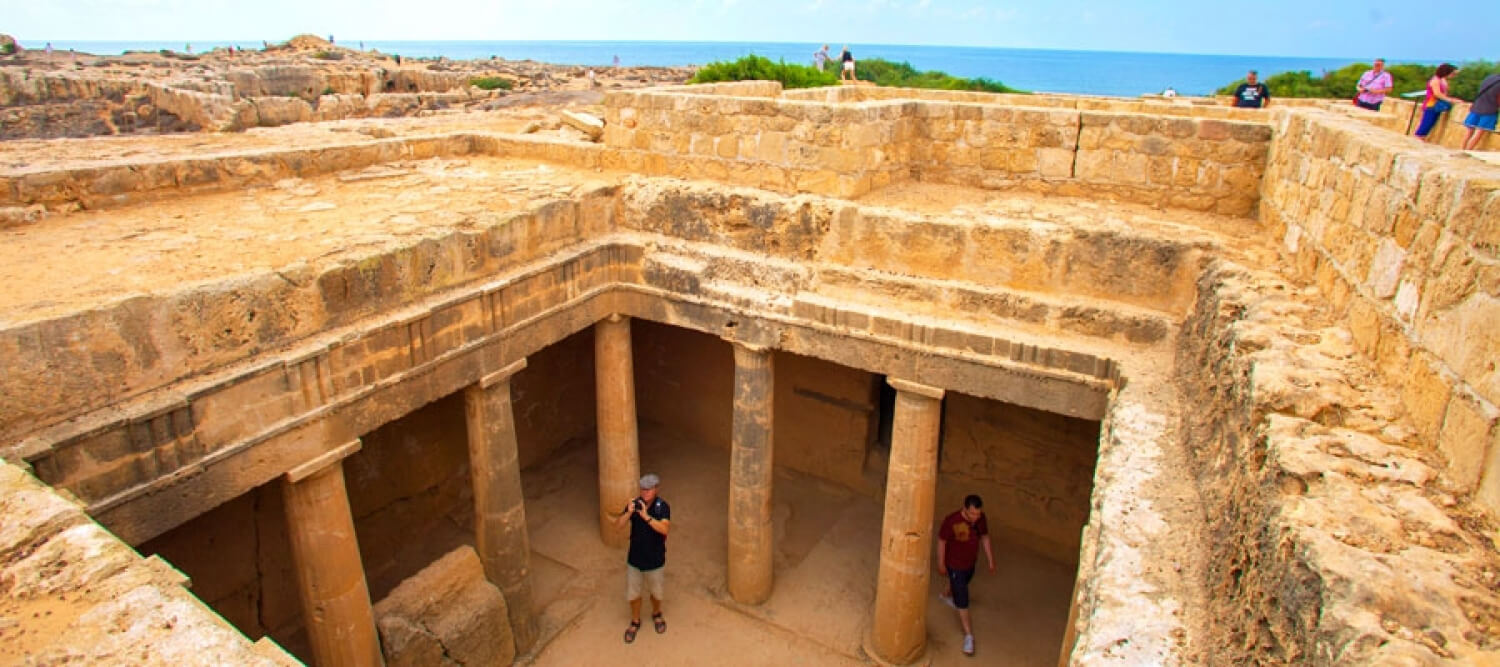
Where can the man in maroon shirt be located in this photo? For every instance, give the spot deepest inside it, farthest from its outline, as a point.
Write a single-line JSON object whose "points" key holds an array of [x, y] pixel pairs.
{"points": [[958, 552]]}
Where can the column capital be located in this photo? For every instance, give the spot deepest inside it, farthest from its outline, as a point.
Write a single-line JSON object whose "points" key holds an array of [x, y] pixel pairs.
{"points": [[322, 461], [907, 386], [748, 347], [503, 374], [614, 317]]}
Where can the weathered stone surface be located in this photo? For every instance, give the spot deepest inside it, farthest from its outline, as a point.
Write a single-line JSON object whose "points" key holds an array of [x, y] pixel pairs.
{"points": [[585, 123], [448, 614], [73, 592]]}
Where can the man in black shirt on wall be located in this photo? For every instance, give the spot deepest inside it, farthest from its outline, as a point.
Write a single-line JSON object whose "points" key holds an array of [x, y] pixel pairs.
{"points": [[1252, 94], [650, 519]]}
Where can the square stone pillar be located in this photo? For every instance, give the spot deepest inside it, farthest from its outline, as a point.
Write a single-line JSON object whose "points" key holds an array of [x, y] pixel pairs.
{"points": [[619, 447], [899, 630], [330, 576], [751, 546], [500, 534]]}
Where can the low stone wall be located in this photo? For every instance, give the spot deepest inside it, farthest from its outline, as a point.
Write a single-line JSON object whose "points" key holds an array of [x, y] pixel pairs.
{"points": [[847, 149], [108, 185], [1404, 242]]}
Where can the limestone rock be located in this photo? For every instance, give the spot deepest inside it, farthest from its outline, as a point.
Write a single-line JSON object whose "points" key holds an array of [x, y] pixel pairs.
{"points": [[585, 123], [447, 614]]}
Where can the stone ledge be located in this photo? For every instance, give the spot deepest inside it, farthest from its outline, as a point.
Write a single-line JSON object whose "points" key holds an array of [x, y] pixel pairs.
{"points": [[93, 599]]}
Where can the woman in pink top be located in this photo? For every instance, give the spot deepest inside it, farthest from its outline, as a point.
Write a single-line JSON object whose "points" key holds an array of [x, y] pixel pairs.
{"points": [[1437, 101]]}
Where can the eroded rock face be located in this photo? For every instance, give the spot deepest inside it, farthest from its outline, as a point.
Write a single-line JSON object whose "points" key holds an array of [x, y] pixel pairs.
{"points": [[1335, 539], [448, 614]]}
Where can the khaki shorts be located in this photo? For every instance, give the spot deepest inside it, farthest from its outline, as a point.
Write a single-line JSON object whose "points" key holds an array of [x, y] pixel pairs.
{"points": [[654, 582]]}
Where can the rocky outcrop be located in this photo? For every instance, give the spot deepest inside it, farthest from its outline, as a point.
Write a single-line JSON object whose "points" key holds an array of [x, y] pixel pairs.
{"points": [[448, 614], [1334, 539]]}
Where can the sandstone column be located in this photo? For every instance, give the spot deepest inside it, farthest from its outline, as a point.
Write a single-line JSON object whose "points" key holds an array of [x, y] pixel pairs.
{"points": [[750, 532], [499, 506], [331, 578], [899, 630], [619, 449]]}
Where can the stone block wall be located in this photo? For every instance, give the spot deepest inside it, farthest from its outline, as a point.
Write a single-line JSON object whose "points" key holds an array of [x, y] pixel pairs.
{"points": [[1404, 241], [765, 142], [836, 143]]}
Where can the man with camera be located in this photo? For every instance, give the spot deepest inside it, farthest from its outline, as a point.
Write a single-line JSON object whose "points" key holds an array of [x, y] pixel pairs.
{"points": [[650, 519]]}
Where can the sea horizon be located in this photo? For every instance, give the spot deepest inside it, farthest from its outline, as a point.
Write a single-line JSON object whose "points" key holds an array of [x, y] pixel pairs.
{"points": [[1084, 72]]}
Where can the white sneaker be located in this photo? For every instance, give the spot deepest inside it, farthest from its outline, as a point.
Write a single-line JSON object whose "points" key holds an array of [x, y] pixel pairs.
{"points": [[947, 600], [968, 644]]}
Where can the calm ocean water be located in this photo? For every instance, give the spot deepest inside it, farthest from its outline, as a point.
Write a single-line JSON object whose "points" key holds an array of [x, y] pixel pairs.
{"points": [[1084, 72]]}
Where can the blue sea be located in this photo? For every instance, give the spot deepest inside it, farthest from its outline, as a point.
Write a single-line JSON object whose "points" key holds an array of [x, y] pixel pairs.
{"points": [[1082, 72]]}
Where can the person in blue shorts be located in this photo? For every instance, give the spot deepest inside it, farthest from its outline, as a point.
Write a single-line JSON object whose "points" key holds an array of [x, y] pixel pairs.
{"points": [[1482, 113]]}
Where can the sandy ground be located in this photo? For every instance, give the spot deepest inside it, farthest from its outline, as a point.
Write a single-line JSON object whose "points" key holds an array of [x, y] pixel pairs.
{"points": [[827, 540]]}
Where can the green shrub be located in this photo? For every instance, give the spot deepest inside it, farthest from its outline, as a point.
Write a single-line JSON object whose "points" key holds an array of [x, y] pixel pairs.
{"points": [[328, 55], [491, 83], [328, 90], [1343, 82], [903, 75], [7, 48], [760, 68], [880, 72]]}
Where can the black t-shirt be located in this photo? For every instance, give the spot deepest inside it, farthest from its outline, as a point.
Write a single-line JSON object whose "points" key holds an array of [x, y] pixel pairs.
{"points": [[1484, 103], [1251, 96], [847, 56], [648, 548]]}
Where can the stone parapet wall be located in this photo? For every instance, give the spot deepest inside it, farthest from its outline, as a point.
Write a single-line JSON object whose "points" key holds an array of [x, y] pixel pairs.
{"points": [[1334, 537], [850, 148], [1404, 242]]}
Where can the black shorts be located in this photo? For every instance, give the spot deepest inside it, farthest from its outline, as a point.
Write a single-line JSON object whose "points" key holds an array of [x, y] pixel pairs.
{"points": [[958, 581], [1367, 105]]}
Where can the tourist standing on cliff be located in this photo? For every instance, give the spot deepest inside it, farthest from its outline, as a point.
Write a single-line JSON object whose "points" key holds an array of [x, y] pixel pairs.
{"points": [[959, 539], [820, 58], [848, 59], [1484, 111], [1252, 94], [1373, 86], [650, 519], [1437, 101]]}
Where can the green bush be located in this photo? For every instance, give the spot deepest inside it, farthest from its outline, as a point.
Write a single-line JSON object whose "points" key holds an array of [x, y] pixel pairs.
{"points": [[328, 55], [903, 75], [7, 48], [491, 83], [1342, 83], [880, 72], [760, 68]]}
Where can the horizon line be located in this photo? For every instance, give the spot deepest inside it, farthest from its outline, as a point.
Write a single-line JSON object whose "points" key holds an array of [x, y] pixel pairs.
{"points": [[1393, 60]]}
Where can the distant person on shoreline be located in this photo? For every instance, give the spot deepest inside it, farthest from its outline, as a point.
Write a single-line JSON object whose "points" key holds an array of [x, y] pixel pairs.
{"points": [[617, 60], [820, 58], [1482, 115], [1252, 94], [1437, 101], [847, 58], [1169, 93], [1373, 86]]}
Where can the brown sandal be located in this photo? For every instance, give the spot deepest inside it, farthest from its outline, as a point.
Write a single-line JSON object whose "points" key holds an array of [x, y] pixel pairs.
{"points": [[661, 623], [635, 626]]}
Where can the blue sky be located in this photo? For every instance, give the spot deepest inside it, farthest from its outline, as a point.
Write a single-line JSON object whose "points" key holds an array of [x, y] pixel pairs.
{"points": [[1461, 30]]}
